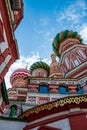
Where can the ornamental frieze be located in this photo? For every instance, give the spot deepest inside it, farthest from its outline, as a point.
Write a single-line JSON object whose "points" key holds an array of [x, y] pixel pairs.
{"points": [[59, 103], [53, 82]]}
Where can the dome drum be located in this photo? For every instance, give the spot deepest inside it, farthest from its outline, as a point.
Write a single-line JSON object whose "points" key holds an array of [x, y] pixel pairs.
{"points": [[18, 76]]}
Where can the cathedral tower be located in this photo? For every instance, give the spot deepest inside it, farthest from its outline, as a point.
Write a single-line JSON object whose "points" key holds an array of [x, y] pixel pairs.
{"points": [[72, 52], [55, 71]]}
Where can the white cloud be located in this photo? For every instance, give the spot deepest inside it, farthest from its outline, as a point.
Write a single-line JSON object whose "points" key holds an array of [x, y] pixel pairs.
{"points": [[83, 34], [82, 4], [75, 12], [50, 40], [44, 21], [22, 63]]}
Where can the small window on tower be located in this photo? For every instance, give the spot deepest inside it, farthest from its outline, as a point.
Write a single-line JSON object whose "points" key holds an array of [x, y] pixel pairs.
{"points": [[76, 62], [82, 54], [32, 100], [15, 4], [42, 101], [67, 62], [38, 73]]}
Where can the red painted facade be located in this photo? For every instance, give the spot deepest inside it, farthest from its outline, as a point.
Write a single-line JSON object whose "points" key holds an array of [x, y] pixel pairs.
{"points": [[65, 112], [78, 122], [72, 59], [8, 50], [73, 113]]}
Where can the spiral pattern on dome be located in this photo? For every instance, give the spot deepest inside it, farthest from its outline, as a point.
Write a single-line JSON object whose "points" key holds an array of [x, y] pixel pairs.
{"points": [[40, 64], [60, 37]]}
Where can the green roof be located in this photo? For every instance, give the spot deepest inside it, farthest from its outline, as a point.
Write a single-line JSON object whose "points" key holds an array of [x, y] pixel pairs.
{"points": [[39, 64]]}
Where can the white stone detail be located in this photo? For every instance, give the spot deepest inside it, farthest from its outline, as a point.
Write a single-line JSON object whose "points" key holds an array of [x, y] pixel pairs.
{"points": [[67, 62], [7, 59], [3, 65], [3, 46], [82, 54]]}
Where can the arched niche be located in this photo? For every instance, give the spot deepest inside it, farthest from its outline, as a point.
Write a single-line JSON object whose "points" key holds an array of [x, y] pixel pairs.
{"points": [[43, 88], [63, 89]]}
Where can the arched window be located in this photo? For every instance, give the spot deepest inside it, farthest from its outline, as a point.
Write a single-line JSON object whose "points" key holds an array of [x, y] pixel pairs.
{"points": [[67, 62], [43, 89], [63, 89], [81, 52], [79, 89], [76, 62]]}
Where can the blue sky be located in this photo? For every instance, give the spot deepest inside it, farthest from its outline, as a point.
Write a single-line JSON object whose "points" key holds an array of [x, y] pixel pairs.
{"points": [[42, 20]]}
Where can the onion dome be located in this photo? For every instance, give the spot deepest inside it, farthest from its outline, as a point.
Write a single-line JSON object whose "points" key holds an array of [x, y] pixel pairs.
{"points": [[19, 73], [61, 37], [38, 66]]}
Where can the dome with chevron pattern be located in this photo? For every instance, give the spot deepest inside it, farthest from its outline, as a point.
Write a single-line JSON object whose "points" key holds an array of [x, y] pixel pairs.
{"points": [[62, 36], [40, 65], [22, 72]]}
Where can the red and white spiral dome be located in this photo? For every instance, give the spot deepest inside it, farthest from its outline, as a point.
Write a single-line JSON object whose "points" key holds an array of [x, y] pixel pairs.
{"points": [[19, 73]]}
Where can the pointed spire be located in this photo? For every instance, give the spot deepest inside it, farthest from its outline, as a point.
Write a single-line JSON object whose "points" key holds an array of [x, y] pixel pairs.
{"points": [[53, 56], [54, 68]]}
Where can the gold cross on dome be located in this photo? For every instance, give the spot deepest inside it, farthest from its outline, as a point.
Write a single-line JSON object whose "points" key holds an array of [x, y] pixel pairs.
{"points": [[27, 64], [40, 59]]}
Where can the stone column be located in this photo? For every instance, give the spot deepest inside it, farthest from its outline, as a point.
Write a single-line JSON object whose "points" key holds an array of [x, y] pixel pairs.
{"points": [[53, 88], [84, 87], [72, 88], [13, 111]]}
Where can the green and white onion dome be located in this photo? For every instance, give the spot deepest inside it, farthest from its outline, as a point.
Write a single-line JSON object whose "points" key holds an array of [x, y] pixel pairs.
{"points": [[40, 65], [62, 36]]}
